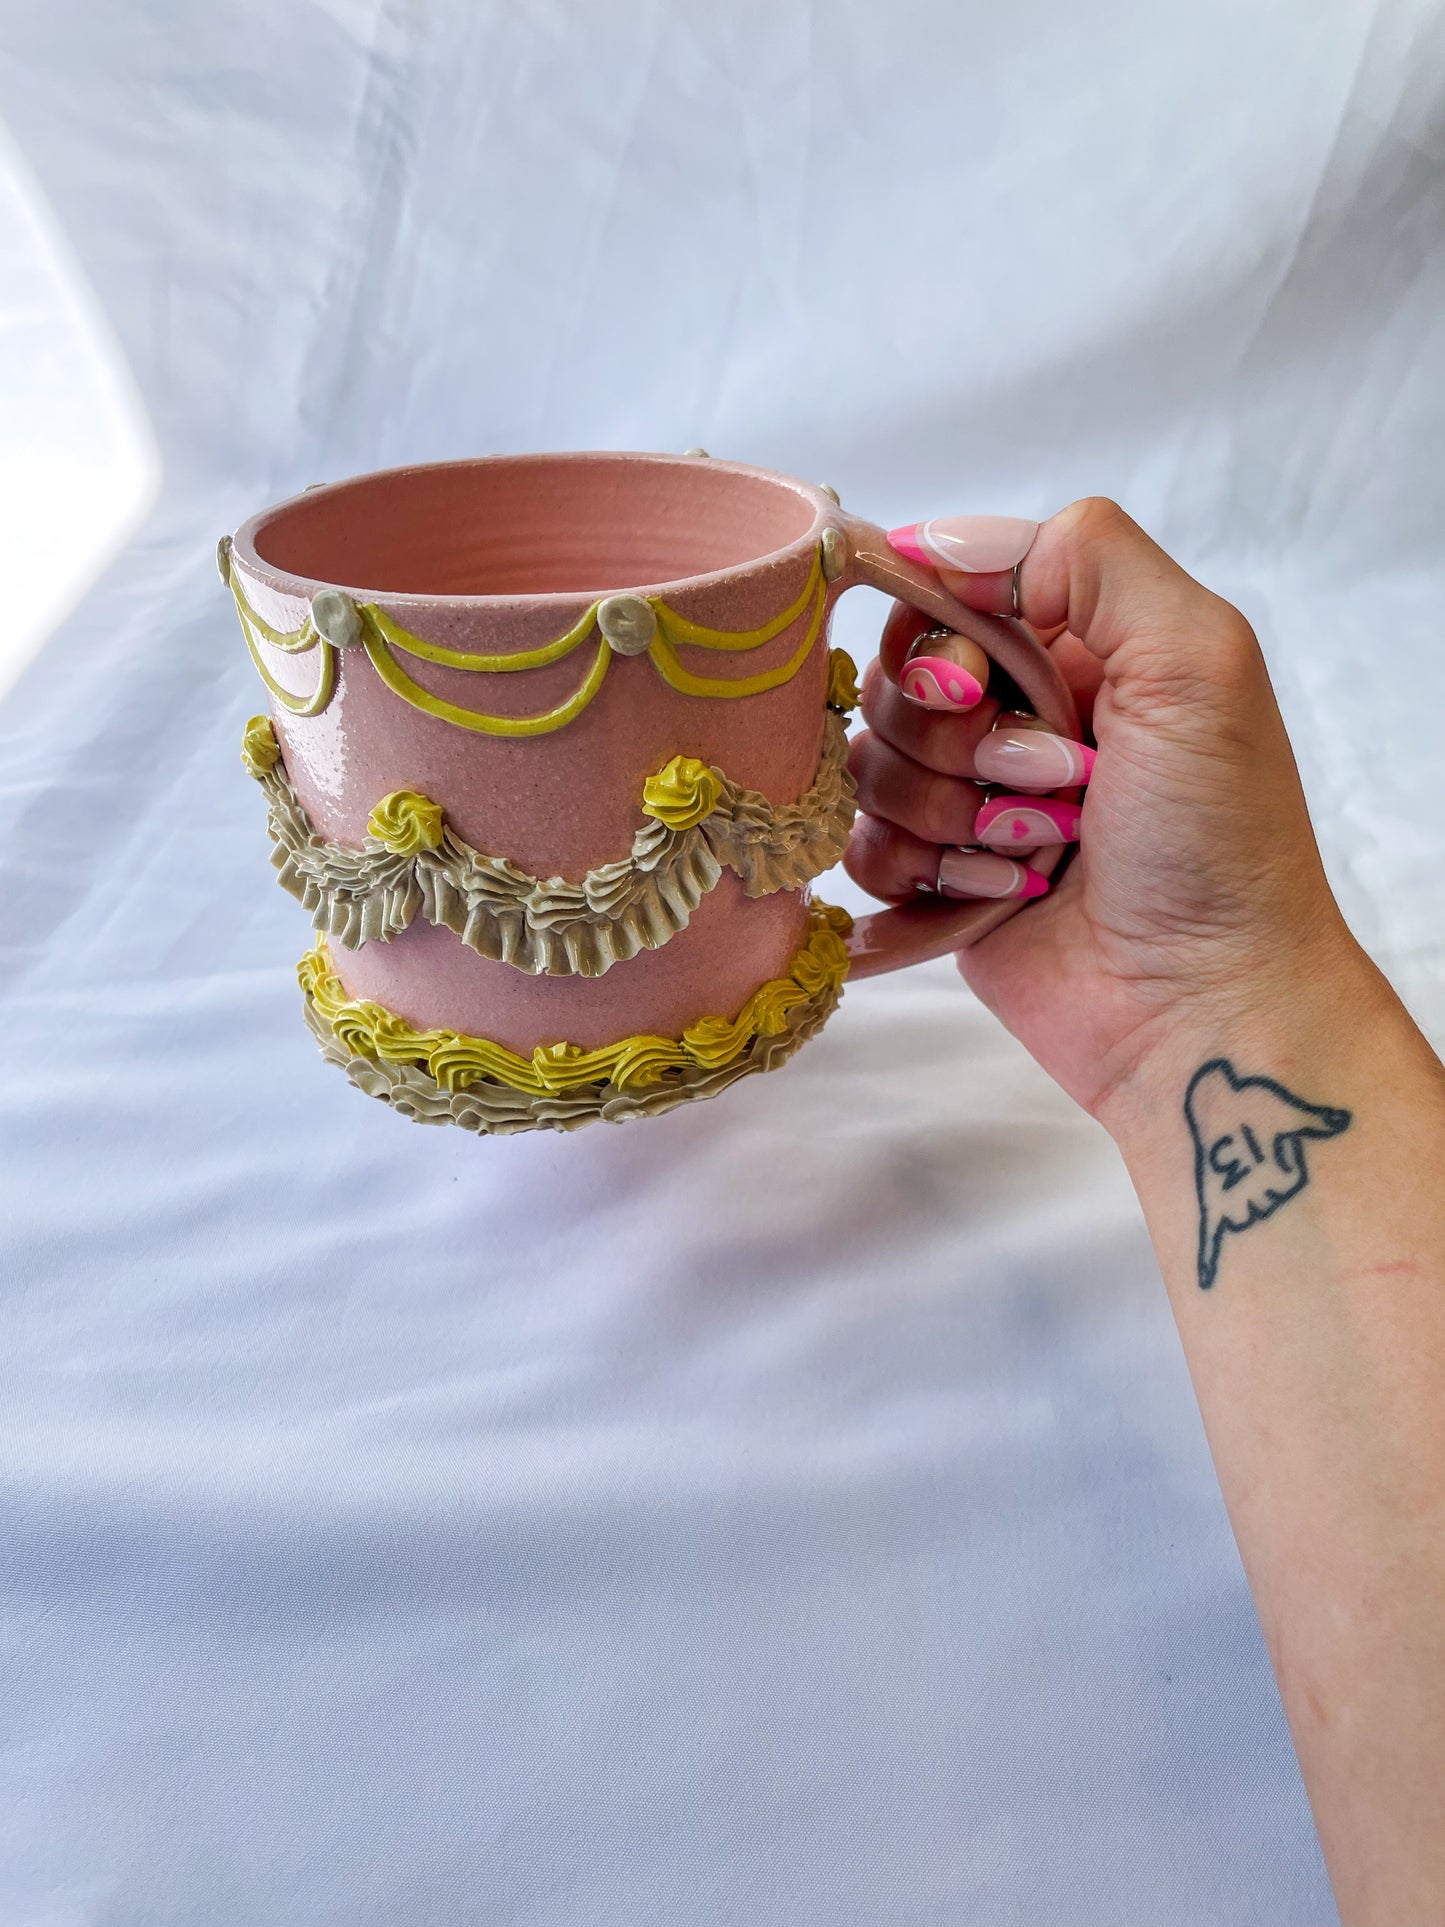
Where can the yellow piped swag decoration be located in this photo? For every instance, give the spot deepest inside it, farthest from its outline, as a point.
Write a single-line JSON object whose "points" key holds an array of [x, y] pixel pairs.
{"points": [[296, 642], [406, 822], [380, 635], [456, 1061]]}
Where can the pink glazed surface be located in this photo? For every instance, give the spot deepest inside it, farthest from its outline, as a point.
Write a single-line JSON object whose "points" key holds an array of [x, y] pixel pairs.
{"points": [[500, 556]]}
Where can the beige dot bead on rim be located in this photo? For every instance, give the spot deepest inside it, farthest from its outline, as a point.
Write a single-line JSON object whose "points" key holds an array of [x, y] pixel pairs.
{"points": [[629, 623], [334, 616]]}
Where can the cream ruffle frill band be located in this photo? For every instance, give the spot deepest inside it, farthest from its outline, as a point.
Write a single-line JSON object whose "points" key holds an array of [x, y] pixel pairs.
{"points": [[701, 823], [443, 1077]]}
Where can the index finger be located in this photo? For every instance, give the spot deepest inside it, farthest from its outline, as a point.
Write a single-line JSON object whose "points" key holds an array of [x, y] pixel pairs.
{"points": [[934, 668]]}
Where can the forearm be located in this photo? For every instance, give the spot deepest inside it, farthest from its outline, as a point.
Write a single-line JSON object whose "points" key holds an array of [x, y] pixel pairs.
{"points": [[1314, 1328]]}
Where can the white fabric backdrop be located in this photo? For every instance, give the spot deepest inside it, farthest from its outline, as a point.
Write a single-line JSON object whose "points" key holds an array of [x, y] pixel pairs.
{"points": [[796, 1511]]}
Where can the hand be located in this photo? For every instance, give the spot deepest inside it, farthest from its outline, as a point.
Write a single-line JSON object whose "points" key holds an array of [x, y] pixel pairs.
{"points": [[1197, 882]]}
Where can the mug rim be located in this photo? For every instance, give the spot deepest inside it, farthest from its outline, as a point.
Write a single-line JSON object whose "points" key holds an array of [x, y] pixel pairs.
{"points": [[290, 582]]}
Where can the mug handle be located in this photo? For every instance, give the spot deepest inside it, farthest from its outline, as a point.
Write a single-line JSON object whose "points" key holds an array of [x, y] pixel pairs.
{"points": [[936, 926]]}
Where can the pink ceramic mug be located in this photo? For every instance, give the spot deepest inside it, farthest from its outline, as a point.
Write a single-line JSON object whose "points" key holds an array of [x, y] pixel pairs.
{"points": [[555, 749]]}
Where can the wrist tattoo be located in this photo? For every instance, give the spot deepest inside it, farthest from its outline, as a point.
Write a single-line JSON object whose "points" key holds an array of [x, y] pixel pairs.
{"points": [[1249, 1155]]}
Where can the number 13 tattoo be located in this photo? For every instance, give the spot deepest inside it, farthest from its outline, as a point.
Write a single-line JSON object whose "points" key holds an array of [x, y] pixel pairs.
{"points": [[1249, 1157]]}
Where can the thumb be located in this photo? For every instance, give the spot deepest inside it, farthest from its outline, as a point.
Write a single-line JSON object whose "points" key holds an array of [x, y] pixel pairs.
{"points": [[1092, 569]]}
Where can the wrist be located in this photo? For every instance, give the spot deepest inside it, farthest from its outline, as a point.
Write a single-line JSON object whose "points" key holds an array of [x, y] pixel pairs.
{"points": [[1302, 1005]]}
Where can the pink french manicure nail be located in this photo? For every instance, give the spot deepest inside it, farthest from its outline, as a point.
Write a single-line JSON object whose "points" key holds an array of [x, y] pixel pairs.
{"points": [[936, 683], [1018, 823], [978, 873], [1032, 759], [979, 544]]}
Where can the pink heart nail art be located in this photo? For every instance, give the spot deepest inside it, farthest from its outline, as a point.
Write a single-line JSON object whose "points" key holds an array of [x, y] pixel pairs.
{"points": [[1026, 823]]}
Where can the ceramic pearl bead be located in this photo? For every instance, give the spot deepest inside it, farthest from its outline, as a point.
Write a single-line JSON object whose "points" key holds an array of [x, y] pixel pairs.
{"points": [[628, 622], [334, 617]]}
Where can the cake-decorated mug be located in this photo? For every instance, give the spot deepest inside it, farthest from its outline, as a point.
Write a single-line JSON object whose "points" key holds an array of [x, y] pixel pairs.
{"points": [[556, 746]]}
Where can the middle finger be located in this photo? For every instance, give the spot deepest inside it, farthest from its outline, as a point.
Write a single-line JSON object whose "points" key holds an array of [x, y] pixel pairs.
{"points": [[897, 789]]}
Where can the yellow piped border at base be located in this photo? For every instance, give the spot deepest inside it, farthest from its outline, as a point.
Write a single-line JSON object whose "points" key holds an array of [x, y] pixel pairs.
{"points": [[495, 1110], [456, 1061]]}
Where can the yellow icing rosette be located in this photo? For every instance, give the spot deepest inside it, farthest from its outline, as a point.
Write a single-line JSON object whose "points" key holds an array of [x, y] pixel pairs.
{"points": [[682, 793], [406, 822], [842, 681], [260, 751]]}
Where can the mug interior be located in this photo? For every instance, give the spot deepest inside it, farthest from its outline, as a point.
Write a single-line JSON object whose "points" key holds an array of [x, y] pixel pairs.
{"points": [[534, 525]]}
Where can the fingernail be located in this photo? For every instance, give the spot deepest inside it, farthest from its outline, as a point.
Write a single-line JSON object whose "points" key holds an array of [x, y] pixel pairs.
{"points": [[978, 544], [1032, 759], [1022, 823], [977, 873], [935, 683]]}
